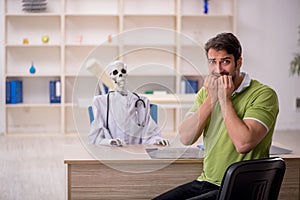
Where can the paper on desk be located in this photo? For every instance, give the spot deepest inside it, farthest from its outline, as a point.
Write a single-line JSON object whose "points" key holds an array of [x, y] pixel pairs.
{"points": [[175, 153], [276, 150]]}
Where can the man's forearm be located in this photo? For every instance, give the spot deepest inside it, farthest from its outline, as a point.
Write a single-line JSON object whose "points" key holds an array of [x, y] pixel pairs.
{"points": [[245, 135], [192, 126]]}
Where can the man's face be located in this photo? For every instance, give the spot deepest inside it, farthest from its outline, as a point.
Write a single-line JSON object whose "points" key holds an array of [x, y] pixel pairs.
{"points": [[221, 63]]}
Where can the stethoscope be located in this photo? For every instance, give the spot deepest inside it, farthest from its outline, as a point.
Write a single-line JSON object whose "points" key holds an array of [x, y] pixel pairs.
{"points": [[136, 105]]}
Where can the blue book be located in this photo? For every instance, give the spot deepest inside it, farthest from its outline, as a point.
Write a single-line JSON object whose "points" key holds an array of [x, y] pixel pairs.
{"points": [[55, 91], [7, 92], [14, 92], [191, 86]]}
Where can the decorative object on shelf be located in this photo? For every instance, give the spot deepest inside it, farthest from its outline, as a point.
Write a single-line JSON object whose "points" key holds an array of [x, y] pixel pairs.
{"points": [[78, 39], [149, 92], [14, 91], [25, 41], [295, 63], [109, 38], [55, 91], [32, 69], [205, 6], [34, 5], [45, 39]]}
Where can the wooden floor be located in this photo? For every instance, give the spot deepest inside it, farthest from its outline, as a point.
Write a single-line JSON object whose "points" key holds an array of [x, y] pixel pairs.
{"points": [[32, 166]]}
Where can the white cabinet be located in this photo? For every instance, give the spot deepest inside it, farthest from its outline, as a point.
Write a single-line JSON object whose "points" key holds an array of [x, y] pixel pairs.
{"points": [[78, 29]]}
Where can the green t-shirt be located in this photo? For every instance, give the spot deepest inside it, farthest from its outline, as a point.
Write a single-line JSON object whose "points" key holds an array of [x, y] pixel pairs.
{"points": [[254, 101]]}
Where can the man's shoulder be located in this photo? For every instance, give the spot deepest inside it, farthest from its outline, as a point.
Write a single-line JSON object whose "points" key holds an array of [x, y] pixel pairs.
{"points": [[260, 87], [262, 94]]}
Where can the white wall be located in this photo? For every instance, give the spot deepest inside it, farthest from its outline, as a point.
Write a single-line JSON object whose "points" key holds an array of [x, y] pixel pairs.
{"points": [[268, 32]]}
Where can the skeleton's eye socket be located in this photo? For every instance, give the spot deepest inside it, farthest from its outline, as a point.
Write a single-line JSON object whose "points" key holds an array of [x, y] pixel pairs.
{"points": [[123, 71], [115, 72]]}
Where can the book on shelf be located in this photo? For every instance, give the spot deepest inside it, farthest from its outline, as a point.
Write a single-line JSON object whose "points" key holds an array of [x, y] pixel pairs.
{"points": [[55, 91], [189, 86], [14, 91]]}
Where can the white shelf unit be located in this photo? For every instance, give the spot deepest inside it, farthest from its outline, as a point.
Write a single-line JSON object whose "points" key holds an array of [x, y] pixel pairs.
{"points": [[77, 27]]}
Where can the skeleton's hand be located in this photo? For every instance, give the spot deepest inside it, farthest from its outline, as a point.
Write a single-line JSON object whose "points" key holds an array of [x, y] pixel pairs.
{"points": [[116, 142], [163, 142]]}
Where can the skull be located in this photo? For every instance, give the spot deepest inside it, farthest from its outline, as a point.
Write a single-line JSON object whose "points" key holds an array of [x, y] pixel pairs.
{"points": [[118, 74]]}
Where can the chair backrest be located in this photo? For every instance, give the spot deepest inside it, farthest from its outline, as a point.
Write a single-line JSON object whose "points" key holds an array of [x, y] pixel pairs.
{"points": [[91, 114], [153, 112], [253, 180]]}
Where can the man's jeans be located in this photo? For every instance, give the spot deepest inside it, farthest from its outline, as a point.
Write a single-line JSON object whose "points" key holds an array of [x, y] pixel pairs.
{"points": [[195, 190]]}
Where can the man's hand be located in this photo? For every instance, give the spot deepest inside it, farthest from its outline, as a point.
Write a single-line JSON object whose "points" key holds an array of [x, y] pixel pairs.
{"points": [[211, 86], [225, 88]]}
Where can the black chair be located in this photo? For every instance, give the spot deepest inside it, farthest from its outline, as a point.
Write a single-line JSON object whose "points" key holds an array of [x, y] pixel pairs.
{"points": [[253, 180]]}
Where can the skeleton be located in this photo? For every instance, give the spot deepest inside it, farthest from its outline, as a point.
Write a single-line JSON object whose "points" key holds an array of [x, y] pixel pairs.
{"points": [[123, 104], [118, 74]]}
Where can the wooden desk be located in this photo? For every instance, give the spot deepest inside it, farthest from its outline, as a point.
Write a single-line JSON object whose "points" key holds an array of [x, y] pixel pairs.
{"points": [[129, 173], [129, 176]]}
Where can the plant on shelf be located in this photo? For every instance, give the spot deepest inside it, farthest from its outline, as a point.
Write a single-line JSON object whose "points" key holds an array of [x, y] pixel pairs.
{"points": [[295, 63]]}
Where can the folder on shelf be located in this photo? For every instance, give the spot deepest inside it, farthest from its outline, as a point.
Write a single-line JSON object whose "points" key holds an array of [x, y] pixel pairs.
{"points": [[191, 86], [55, 91], [7, 90], [14, 91]]}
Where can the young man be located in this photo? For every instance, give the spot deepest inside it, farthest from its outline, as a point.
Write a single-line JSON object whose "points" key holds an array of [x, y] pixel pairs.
{"points": [[235, 114]]}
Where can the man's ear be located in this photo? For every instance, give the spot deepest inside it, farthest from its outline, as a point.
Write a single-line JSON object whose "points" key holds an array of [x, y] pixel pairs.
{"points": [[239, 63]]}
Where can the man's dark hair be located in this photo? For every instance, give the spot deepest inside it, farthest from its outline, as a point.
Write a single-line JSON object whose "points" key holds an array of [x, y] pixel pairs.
{"points": [[227, 42]]}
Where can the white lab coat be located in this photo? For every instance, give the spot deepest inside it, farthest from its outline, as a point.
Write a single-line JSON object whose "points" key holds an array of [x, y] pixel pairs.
{"points": [[122, 121]]}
